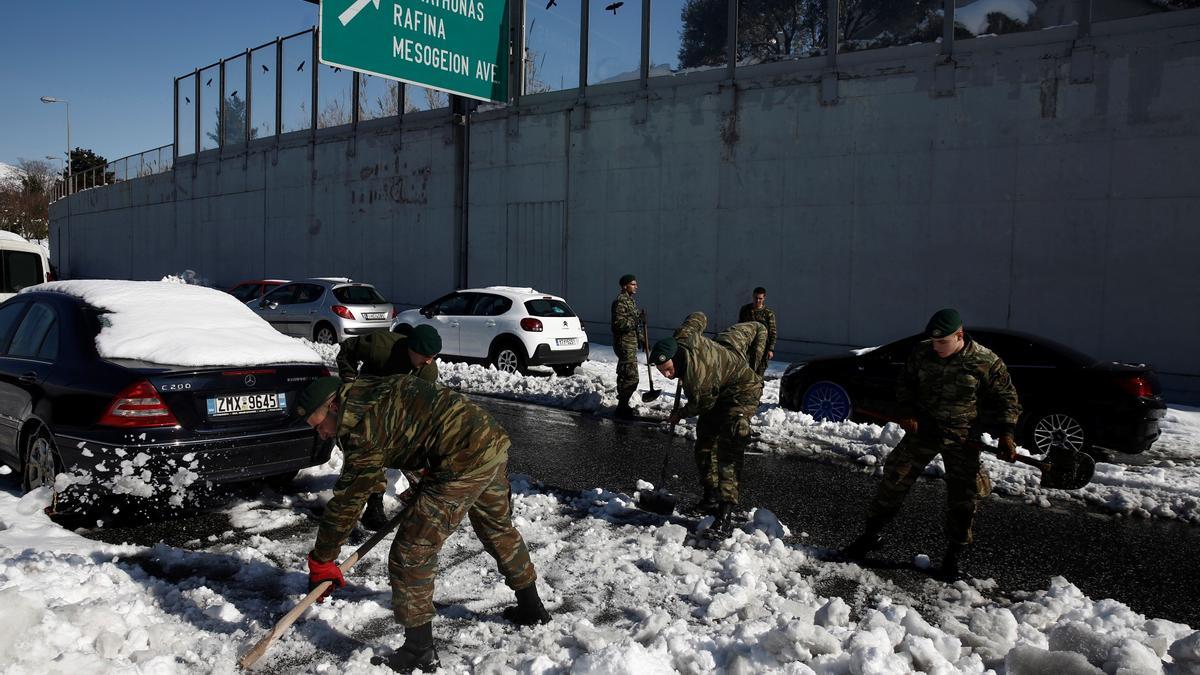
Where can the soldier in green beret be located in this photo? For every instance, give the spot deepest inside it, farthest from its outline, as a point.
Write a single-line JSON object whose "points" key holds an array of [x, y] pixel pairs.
{"points": [[406, 423], [723, 389], [380, 354], [757, 311], [626, 318], [954, 389]]}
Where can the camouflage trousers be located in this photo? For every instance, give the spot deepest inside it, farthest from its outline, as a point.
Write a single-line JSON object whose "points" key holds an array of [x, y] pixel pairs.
{"points": [[721, 438], [966, 483], [627, 370], [486, 499]]}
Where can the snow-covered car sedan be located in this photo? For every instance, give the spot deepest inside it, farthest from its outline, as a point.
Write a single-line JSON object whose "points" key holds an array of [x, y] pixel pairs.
{"points": [[145, 388], [508, 327], [325, 309]]}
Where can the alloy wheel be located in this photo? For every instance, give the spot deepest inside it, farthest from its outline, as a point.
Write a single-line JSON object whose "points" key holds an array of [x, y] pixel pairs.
{"points": [[40, 469], [326, 336], [826, 401], [506, 361], [1058, 429]]}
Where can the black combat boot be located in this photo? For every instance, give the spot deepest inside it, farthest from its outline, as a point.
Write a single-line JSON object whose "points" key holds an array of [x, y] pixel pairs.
{"points": [[373, 518], [418, 652], [868, 541], [723, 518], [624, 411], [529, 610], [709, 502], [952, 569]]}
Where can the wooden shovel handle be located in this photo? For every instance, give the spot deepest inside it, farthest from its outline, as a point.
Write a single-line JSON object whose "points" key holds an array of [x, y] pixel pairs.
{"points": [[256, 652]]}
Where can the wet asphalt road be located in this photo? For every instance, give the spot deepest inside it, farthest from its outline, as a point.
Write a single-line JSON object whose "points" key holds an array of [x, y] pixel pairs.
{"points": [[1152, 566]]}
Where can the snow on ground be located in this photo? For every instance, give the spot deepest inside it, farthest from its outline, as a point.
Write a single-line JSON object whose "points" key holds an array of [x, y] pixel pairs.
{"points": [[180, 324], [1163, 483], [625, 599]]}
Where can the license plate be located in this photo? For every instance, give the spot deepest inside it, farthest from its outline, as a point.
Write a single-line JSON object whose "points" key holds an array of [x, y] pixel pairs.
{"points": [[246, 404], [374, 316], [567, 342]]}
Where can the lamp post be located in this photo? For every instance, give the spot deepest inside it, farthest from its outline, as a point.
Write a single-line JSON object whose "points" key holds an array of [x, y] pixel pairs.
{"points": [[51, 99]]}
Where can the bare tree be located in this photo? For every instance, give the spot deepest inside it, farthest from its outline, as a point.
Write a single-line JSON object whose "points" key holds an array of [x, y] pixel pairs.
{"points": [[25, 199]]}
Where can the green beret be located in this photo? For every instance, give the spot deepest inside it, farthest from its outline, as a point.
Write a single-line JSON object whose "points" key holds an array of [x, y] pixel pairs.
{"points": [[664, 350], [316, 393], [424, 340], [628, 279], [944, 322]]}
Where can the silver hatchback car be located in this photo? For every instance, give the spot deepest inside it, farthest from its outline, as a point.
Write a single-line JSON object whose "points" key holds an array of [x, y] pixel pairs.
{"points": [[326, 309]]}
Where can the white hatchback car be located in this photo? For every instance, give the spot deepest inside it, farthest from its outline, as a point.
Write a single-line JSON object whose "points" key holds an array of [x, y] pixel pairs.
{"points": [[510, 328]]}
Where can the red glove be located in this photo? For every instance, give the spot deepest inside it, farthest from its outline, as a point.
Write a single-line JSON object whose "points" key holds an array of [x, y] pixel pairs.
{"points": [[1007, 449], [320, 572]]}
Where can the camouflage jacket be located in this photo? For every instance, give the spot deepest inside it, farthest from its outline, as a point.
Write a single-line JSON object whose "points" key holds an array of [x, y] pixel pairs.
{"points": [[402, 422], [764, 316], [971, 388], [713, 375], [748, 340], [625, 321], [380, 354]]}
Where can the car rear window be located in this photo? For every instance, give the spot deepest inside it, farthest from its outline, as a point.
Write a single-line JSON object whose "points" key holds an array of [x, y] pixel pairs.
{"points": [[358, 295], [548, 307]]}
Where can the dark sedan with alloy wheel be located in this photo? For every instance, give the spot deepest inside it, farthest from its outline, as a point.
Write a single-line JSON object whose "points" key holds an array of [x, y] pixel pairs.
{"points": [[89, 425], [1068, 398]]}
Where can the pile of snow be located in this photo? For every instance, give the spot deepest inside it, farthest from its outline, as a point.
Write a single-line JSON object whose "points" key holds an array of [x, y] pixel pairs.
{"points": [[180, 324], [624, 599], [1165, 483], [974, 17], [8, 173]]}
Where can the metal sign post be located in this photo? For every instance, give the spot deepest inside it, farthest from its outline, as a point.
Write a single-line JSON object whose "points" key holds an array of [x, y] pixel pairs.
{"points": [[458, 46]]}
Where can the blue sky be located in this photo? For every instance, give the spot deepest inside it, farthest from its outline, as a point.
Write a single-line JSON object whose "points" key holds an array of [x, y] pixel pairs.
{"points": [[116, 61]]}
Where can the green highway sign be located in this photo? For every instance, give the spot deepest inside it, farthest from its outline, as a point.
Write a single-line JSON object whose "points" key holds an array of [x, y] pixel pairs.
{"points": [[458, 46]]}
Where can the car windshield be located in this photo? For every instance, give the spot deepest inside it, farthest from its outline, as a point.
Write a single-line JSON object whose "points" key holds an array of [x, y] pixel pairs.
{"points": [[358, 295], [548, 307]]}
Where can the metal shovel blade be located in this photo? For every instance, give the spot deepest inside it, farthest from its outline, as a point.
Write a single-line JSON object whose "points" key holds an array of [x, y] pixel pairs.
{"points": [[651, 395], [660, 502], [1068, 470]]}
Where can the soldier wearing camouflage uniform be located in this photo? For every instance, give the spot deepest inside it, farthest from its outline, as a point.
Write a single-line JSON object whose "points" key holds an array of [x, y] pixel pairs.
{"points": [[757, 311], [954, 389], [626, 319], [405, 423], [381, 354], [723, 389]]}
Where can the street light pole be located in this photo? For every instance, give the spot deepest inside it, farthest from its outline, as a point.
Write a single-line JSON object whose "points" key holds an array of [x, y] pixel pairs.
{"points": [[51, 99]]}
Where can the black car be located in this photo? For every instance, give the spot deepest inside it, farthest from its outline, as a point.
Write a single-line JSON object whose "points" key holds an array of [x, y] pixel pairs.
{"points": [[1067, 397], [65, 409]]}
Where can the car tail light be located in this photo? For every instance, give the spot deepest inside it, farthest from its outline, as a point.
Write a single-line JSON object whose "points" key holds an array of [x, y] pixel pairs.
{"points": [[325, 371], [50, 275], [532, 325], [395, 311], [343, 312], [138, 405], [1137, 386]]}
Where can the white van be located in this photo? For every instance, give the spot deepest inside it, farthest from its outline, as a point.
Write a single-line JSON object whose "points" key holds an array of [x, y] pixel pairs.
{"points": [[22, 264]]}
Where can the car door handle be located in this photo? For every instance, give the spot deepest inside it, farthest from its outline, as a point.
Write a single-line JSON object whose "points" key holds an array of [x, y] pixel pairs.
{"points": [[454, 324], [490, 324], [29, 378]]}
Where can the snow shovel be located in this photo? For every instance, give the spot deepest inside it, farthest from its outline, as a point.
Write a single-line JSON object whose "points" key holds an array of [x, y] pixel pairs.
{"points": [[251, 657], [653, 394], [661, 501], [1063, 468]]}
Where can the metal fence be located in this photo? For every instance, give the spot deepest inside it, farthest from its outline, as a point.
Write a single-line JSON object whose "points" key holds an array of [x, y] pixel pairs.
{"points": [[147, 163]]}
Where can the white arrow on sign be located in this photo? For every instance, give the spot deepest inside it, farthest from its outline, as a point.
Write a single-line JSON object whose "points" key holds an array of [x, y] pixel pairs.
{"points": [[353, 10]]}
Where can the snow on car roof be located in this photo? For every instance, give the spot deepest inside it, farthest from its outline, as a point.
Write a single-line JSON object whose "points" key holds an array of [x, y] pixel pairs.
{"points": [[515, 290], [180, 324]]}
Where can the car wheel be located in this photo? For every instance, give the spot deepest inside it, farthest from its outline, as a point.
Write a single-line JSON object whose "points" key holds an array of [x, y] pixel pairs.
{"points": [[41, 463], [826, 401], [509, 359], [565, 370], [403, 329], [1055, 428], [325, 334]]}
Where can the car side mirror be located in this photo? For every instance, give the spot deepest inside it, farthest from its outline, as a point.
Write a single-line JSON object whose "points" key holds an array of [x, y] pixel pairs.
{"points": [[262, 303], [427, 312]]}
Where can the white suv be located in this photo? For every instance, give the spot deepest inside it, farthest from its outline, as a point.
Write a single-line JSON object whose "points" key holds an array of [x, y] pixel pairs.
{"points": [[511, 328]]}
